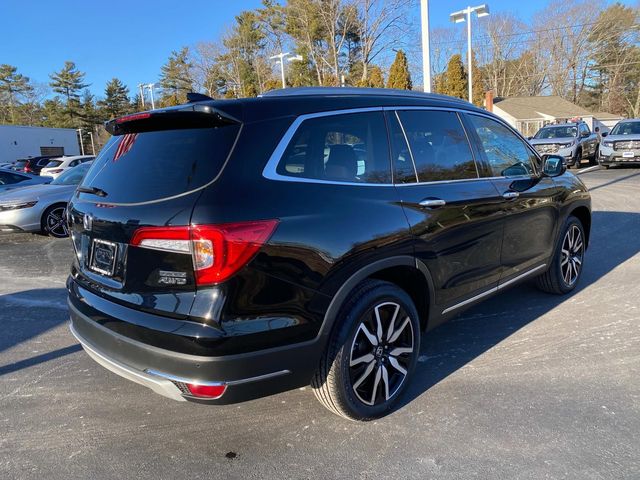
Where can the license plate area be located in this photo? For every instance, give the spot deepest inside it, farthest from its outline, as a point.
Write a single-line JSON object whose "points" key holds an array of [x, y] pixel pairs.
{"points": [[102, 257], [627, 154]]}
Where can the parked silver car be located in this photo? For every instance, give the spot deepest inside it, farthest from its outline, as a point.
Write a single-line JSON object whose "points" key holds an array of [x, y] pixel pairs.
{"points": [[622, 145], [41, 208], [573, 141]]}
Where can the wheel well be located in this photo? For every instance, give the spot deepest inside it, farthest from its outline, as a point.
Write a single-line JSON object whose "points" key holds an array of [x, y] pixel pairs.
{"points": [[412, 281], [583, 214]]}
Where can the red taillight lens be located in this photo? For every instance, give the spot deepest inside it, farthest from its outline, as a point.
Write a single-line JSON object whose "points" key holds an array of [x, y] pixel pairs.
{"points": [[27, 169], [218, 251], [206, 391], [131, 118]]}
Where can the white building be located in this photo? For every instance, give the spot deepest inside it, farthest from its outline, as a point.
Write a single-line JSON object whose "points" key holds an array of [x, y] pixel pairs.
{"points": [[22, 142], [529, 114]]}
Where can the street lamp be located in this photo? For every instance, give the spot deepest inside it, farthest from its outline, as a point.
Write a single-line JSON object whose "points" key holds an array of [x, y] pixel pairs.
{"points": [[79, 130], [461, 16], [281, 57], [426, 50], [150, 87]]}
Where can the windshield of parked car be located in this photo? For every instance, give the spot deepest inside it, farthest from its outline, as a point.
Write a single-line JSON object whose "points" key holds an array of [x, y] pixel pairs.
{"points": [[557, 132], [20, 164], [73, 176], [53, 163], [626, 128]]}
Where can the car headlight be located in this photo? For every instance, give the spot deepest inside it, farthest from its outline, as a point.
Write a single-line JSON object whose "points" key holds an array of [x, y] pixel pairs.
{"points": [[607, 144], [16, 206], [566, 145]]}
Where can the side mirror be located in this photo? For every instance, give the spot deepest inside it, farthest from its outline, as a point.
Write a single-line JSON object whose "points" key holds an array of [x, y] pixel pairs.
{"points": [[553, 165], [604, 134]]}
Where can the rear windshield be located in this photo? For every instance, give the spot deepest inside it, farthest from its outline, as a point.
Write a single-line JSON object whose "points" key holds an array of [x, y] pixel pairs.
{"points": [[53, 163], [140, 167], [20, 163]]}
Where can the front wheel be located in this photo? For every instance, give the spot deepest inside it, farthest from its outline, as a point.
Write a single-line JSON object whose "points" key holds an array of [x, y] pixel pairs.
{"points": [[566, 266], [371, 354], [53, 221]]}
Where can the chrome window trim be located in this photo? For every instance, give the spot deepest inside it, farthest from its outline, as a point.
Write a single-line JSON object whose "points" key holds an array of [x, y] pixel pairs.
{"points": [[406, 140], [270, 170]]}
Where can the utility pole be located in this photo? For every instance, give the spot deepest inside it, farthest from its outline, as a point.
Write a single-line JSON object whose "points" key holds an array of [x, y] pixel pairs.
{"points": [[426, 46], [465, 15]]}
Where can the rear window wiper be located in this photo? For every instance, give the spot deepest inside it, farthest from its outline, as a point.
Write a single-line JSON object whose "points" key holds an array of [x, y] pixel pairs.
{"points": [[94, 190]]}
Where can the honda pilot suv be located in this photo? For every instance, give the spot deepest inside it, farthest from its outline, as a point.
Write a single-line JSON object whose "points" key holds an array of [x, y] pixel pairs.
{"points": [[228, 250]]}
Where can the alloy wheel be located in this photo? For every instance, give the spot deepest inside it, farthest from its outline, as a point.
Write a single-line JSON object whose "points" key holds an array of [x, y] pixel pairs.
{"points": [[572, 255], [56, 224], [381, 353]]}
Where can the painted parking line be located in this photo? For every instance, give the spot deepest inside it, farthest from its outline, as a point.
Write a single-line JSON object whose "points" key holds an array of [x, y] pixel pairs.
{"points": [[588, 169]]}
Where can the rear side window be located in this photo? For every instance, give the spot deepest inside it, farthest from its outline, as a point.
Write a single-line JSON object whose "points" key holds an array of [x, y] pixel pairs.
{"points": [[7, 178], [438, 145], [339, 148], [140, 167], [53, 163], [505, 153]]}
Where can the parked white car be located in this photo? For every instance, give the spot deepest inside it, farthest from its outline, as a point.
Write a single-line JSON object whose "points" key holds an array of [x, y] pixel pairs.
{"points": [[56, 166]]}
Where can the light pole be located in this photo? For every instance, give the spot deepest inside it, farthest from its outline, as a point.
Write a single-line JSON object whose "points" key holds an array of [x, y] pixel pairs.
{"points": [[79, 130], [461, 16], [93, 146], [141, 87], [150, 87], [281, 57], [426, 47]]}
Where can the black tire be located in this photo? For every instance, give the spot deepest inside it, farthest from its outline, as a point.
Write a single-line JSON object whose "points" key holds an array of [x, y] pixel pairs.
{"points": [[606, 167], [339, 383], [558, 279], [51, 218], [577, 158]]}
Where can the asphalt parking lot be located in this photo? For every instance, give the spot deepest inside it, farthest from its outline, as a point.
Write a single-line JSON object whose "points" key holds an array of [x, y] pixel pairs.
{"points": [[526, 385]]}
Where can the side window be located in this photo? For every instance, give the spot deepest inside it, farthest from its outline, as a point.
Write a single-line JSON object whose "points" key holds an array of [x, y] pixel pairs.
{"points": [[584, 129], [7, 178], [74, 163], [403, 169], [342, 148], [505, 153], [438, 145]]}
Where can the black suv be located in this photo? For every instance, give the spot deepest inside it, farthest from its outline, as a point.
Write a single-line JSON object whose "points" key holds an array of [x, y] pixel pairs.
{"points": [[32, 164], [228, 250]]}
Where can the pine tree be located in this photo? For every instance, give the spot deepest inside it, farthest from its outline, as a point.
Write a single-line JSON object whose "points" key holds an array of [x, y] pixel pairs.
{"points": [[374, 78], [399, 76], [455, 78], [12, 85], [175, 78], [116, 99], [69, 82], [478, 86]]}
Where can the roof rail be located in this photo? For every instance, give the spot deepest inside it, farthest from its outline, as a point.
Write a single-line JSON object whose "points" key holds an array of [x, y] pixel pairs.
{"points": [[304, 91]]}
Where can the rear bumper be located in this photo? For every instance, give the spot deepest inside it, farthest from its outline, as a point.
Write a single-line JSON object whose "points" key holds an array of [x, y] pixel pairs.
{"points": [[247, 375]]}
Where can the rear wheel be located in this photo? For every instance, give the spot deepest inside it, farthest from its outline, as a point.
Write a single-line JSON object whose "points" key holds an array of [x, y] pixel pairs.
{"points": [[53, 221], [371, 354], [566, 267]]}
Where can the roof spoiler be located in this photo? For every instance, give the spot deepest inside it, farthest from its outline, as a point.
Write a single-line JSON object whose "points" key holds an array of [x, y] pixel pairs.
{"points": [[182, 117]]}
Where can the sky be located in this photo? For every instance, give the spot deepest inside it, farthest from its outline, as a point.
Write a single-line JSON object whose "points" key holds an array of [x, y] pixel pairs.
{"points": [[132, 40]]}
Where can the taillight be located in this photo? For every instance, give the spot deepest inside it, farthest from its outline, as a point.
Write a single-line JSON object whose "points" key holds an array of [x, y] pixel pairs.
{"points": [[218, 251]]}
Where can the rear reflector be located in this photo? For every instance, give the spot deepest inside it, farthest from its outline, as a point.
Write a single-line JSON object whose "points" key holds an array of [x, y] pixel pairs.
{"points": [[218, 251], [206, 391]]}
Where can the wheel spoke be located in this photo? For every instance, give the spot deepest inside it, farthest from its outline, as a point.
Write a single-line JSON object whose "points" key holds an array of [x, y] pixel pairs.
{"points": [[393, 361], [578, 246], [397, 333], [400, 351], [364, 376], [376, 382], [578, 260], [368, 358], [379, 332], [392, 324], [385, 380], [370, 336]]}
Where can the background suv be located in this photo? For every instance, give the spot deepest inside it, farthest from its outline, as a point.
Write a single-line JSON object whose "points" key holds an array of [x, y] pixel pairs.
{"points": [[573, 141], [622, 145], [308, 236]]}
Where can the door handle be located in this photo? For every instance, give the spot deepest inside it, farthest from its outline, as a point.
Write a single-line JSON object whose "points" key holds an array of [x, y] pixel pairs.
{"points": [[432, 203], [510, 195]]}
